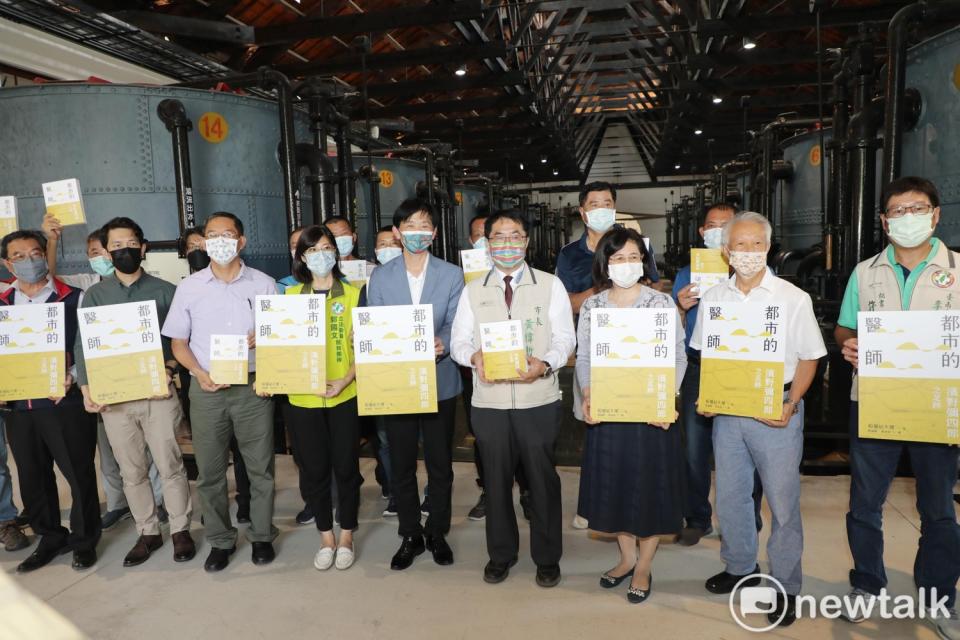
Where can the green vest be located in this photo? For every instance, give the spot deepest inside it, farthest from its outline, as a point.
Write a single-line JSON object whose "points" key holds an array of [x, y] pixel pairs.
{"points": [[341, 301]]}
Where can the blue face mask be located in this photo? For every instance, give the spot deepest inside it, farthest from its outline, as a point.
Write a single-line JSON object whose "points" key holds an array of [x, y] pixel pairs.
{"points": [[600, 220], [321, 263], [386, 254], [417, 241], [481, 243], [101, 266], [344, 245], [31, 270]]}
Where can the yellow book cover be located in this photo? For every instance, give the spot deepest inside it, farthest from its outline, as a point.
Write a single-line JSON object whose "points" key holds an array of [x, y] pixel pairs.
{"points": [[503, 349], [476, 263], [707, 268], [229, 359], [8, 215], [64, 201], [32, 355], [291, 343]]}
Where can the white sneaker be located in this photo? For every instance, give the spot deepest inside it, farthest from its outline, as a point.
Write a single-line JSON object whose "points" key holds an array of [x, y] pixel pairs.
{"points": [[345, 558], [948, 628], [579, 522], [857, 605], [324, 558]]}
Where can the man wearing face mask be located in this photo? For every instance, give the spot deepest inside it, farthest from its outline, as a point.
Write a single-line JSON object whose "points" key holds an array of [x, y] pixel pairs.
{"points": [[916, 271], [44, 431], [774, 448], [517, 421], [220, 300], [421, 278], [140, 426], [387, 247]]}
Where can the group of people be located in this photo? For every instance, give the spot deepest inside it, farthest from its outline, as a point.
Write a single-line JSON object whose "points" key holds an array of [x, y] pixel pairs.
{"points": [[639, 482]]}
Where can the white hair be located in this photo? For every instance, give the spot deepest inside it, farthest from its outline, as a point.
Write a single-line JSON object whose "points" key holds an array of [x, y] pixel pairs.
{"points": [[747, 216]]}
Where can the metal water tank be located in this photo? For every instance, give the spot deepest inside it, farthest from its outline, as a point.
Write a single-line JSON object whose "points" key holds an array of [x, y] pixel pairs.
{"points": [[111, 139], [930, 148], [797, 207]]}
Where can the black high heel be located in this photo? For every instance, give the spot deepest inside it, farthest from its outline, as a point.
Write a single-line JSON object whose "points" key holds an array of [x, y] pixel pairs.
{"points": [[636, 596], [608, 581]]}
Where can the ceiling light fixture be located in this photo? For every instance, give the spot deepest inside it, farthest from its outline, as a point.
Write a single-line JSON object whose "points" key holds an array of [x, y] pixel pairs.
{"points": [[676, 166], [461, 71], [555, 172], [749, 43], [543, 159], [717, 99], [521, 166], [697, 132]]}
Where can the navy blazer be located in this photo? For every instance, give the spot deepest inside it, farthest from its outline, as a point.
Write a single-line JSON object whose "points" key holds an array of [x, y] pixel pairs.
{"points": [[388, 285]]}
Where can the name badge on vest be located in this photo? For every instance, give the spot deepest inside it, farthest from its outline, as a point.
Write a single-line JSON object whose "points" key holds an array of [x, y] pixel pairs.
{"points": [[943, 279]]}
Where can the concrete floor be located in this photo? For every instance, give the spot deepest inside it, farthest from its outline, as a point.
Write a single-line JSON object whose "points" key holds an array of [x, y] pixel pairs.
{"points": [[289, 598]]}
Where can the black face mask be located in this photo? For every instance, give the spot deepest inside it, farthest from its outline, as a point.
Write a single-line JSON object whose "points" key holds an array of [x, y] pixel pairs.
{"points": [[126, 260], [198, 259]]}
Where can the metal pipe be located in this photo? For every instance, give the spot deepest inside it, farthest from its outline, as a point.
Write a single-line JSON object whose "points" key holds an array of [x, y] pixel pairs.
{"points": [[862, 147], [320, 170], [837, 187], [271, 79], [372, 177], [174, 116]]}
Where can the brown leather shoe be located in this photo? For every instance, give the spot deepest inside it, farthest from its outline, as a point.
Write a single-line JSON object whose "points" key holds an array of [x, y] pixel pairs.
{"points": [[142, 550], [183, 547]]}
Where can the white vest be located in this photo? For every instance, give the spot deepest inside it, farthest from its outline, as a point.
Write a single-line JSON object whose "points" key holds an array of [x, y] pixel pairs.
{"points": [[531, 306]]}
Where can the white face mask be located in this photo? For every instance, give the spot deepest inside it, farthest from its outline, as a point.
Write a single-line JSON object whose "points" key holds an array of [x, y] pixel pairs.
{"points": [[386, 254], [910, 231], [600, 220], [480, 243], [713, 238], [222, 250], [625, 274], [344, 245], [748, 263]]}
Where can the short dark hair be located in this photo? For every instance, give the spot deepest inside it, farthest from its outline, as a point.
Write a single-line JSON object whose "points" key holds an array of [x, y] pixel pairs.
{"points": [[23, 234], [723, 206], [340, 219], [597, 185], [385, 229], [479, 216], [185, 236], [611, 242], [506, 214], [224, 214], [310, 237], [906, 184], [119, 223], [412, 206], [95, 235]]}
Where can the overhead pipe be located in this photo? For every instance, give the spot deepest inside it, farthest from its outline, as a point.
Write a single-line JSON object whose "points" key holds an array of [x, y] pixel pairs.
{"points": [[320, 178], [372, 176], [271, 79], [837, 187], [862, 147], [174, 116], [768, 138]]}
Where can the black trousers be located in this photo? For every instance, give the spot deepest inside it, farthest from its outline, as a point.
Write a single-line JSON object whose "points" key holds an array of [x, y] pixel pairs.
{"points": [[403, 435], [65, 435], [525, 436], [325, 439]]}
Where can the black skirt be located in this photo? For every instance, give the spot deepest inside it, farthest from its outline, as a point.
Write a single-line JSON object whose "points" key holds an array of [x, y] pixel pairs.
{"points": [[631, 479]]}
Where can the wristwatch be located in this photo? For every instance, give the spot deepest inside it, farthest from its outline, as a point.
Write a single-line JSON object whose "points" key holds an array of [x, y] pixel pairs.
{"points": [[796, 406], [547, 371]]}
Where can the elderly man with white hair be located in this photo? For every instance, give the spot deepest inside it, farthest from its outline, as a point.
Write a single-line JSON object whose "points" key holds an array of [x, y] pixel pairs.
{"points": [[771, 447]]}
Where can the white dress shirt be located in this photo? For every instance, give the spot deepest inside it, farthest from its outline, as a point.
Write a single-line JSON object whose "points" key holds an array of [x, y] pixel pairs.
{"points": [[804, 338], [563, 339], [416, 283], [19, 297]]}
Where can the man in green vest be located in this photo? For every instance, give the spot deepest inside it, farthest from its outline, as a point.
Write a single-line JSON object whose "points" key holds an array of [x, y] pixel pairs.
{"points": [[915, 272]]}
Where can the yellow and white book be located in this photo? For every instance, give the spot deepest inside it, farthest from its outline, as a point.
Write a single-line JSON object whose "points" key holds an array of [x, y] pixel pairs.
{"points": [[64, 201], [503, 349], [707, 269], [395, 362], [8, 215], [633, 364], [909, 375], [291, 344], [476, 263], [357, 272], [229, 359], [742, 356], [122, 351], [32, 351]]}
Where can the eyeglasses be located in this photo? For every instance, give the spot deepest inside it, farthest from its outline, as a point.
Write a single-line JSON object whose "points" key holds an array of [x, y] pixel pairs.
{"points": [[921, 208], [625, 259], [18, 257], [229, 235], [513, 237]]}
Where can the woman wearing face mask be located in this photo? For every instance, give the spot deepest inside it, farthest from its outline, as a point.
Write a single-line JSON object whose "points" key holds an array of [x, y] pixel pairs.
{"points": [[324, 428], [631, 483], [197, 256]]}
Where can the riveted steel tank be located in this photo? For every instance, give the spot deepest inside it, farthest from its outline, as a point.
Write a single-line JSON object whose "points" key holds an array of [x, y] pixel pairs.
{"points": [[111, 139], [930, 148], [797, 205], [399, 179]]}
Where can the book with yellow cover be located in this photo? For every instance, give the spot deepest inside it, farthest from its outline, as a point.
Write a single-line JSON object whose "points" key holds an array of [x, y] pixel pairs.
{"points": [[633, 364], [229, 359], [476, 263], [707, 269], [64, 201], [909, 375], [502, 346], [742, 357], [395, 360], [8, 215], [32, 353], [291, 344], [357, 272]]}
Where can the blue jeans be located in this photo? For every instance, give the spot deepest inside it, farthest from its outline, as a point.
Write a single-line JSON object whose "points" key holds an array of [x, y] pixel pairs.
{"points": [[743, 446], [873, 464], [698, 444], [7, 510]]}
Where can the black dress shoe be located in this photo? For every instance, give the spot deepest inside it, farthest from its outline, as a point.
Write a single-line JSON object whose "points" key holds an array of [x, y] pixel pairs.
{"points": [[410, 548], [243, 515], [141, 551], [608, 581], [218, 559], [442, 553], [84, 559], [635, 595], [41, 556], [548, 575], [263, 553], [785, 613], [724, 582], [496, 572], [184, 548]]}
